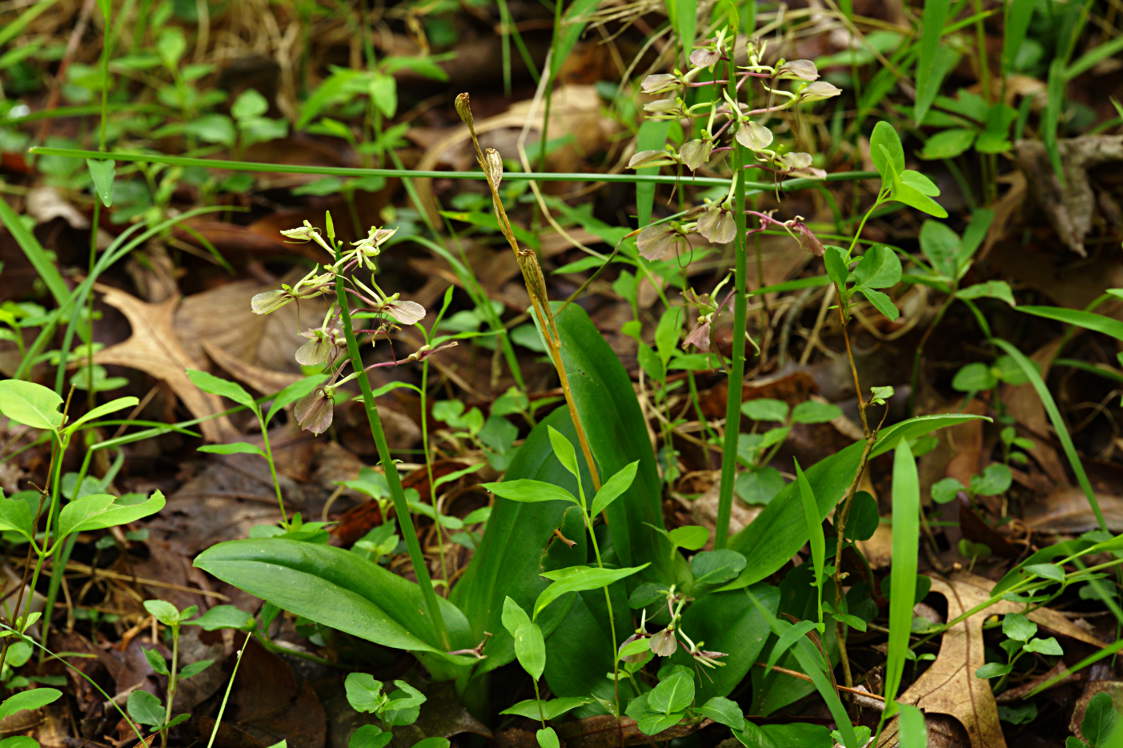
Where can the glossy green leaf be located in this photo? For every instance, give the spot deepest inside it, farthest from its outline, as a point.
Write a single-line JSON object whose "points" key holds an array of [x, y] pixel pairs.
{"points": [[223, 388], [813, 411], [994, 289], [886, 152], [1101, 721], [942, 247], [716, 567], [163, 611], [948, 143], [145, 708], [233, 448], [802, 734], [579, 649], [616, 485], [98, 511], [550, 708], [563, 450], [723, 711], [916, 191], [810, 661], [30, 404], [579, 579], [881, 302], [674, 693], [912, 730], [994, 479], [32, 699], [17, 515], [104, 409], [223, 617], [765, 409], [784, 642], [690, 537], [835, 261], [975, 377], [547, 738], [338, 589], [530, 649], [293, 392], [684, 20], [102, 172], [529, 491]]}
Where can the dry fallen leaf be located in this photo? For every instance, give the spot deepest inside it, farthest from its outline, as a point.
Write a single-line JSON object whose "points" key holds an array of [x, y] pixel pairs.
{"points": [[155, 349], [1072, 206], [950, 686]]}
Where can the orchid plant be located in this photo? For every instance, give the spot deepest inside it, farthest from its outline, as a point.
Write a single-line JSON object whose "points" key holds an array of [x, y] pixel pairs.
{"points": [[327, 344]]}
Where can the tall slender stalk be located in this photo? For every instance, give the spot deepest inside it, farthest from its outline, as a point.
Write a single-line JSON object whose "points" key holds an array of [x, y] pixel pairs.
{"points": [[492, 166], [737, 365], [397, 495]]}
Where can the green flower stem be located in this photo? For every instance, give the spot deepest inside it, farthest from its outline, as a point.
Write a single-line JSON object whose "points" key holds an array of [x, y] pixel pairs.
{"points": [[513, 176], [272, 467], [397, 495], [737, 366], [607, 597]]}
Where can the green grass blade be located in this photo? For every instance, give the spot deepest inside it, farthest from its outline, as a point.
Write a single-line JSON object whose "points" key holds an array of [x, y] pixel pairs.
{"points": [[1078, 317], [651, 137], [1050, 119], [1059, 426], [811, 662], [13, 29], [913, 733], [815, 534], [39, 258], [929, 75], [902, 574], [1018, 14], [684, 20], [1093, 56]]}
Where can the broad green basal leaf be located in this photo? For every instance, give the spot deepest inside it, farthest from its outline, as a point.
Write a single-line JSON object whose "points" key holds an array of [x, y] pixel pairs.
{"points": [[338, 589], [30, 404]]}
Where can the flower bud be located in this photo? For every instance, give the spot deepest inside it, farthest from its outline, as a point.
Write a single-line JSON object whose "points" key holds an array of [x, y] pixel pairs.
{"points": [[405, 312], [268, 302], [464, 108], [717, 225], [664, 643], [801, 69], [754, 136], [493, 165], [695, 153], [703, 58], [659, 83], [314, 411], [305, 233], [819, 90]]}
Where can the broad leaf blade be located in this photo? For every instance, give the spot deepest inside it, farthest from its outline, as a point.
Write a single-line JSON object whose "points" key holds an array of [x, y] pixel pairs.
{"points": [[928, 74], [617, 434], [337, 588]]}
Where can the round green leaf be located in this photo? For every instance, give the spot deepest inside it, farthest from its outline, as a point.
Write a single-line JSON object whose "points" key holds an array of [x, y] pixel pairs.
{"points": [[30, 404]]}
